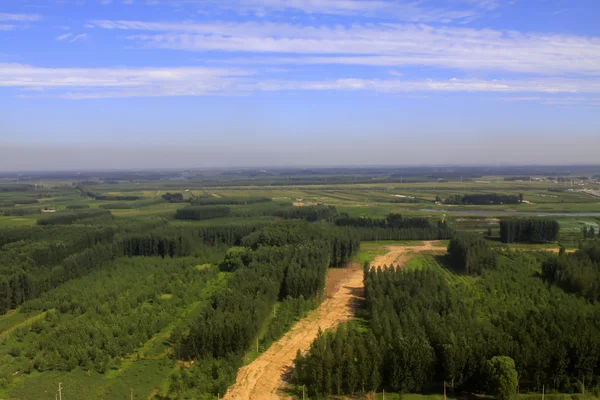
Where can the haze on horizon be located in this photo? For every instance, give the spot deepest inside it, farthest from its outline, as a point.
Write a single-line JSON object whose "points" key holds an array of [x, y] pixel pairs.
{"points": [[199, 83]]}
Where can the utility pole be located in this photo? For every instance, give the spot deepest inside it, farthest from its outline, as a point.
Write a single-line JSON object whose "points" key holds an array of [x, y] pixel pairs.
{"points": [[303, 397], [543, 389], [59, 391], [131, 394]]}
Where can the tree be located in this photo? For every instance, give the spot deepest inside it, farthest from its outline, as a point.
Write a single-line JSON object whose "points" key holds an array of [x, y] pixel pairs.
{"points": [[502, 377]]}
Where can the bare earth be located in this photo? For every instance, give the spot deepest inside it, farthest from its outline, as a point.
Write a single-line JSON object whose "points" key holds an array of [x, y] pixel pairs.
{"points": [[400, 254], [263, 378]]}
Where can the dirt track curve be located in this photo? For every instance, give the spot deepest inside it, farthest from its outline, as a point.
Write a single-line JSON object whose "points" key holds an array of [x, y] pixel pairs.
{"points": [[262, 379]]}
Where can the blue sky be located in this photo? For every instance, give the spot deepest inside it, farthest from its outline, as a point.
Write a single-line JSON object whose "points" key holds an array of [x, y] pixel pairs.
{"points": [[186, 83]]}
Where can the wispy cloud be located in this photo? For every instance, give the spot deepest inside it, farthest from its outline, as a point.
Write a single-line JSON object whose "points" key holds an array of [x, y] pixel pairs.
{"points": [[398, 10], [378, 45], [76, 38], [593, 101], [19, 17], [72, 37], [64, 36], [119, 82], [83, 83], [6, 27]]}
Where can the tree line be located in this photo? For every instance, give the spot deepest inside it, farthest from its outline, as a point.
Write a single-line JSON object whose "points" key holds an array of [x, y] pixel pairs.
{"points": [[73, 216], [196, 213], [233, 201], [396, 227], [482, 199], [308, 213], [529, 230]]}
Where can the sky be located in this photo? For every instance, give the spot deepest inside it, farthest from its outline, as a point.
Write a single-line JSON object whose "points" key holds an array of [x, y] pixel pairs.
{"points": [[232, 83]]}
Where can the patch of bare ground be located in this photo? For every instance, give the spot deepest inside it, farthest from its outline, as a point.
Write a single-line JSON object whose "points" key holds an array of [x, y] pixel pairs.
{"points": [[264, 378], [398, 255]]}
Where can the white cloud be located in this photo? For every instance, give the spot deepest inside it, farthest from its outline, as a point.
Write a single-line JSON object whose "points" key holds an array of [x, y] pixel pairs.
{"points": [[81, 36], [119, 82], [6, 27], [64, 36], [562, 101], [196, 81], [378, 45], [398, 10], [546, 85], [19, 17]]}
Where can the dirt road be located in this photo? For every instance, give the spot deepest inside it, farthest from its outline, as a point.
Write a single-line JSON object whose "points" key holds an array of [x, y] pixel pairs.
{"points": [[262, 379], [400, 254]]}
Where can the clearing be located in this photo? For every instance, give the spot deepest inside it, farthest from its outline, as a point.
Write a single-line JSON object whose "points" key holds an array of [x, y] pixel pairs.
{"points": [[262, 379], [400, 254]]}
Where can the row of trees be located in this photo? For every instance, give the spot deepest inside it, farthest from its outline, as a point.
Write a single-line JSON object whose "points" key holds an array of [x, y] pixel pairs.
{"points": [[392, 221], [396, 227], [74, 216], [529, 230], [426, 327], [482, 199], [210, 201], [309, 213], [199, 213]]}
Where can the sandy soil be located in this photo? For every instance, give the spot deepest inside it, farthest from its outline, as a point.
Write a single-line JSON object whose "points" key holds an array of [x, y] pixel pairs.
{"points": [[400, 254], [262, 379]]}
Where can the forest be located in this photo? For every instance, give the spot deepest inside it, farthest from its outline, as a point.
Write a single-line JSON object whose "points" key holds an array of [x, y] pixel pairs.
{"points": [[425, 328], [169, 291]]}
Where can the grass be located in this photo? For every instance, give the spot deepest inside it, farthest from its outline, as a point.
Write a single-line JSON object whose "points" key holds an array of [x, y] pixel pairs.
{"points": [[253, 352], [25, 323]]}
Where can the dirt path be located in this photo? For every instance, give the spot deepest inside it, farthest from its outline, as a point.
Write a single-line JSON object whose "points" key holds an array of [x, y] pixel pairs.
{"points": [[400, 254], [262, 378]]}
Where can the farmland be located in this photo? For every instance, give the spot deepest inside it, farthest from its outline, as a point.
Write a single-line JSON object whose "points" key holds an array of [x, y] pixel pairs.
{"points": [[180, 284]]}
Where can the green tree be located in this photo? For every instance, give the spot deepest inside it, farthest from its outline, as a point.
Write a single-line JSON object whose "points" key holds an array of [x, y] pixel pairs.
{"points": [[502, 377]]}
